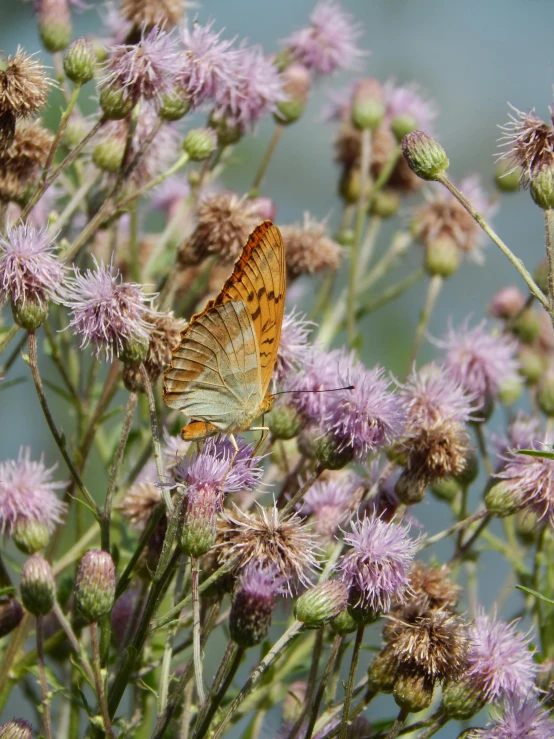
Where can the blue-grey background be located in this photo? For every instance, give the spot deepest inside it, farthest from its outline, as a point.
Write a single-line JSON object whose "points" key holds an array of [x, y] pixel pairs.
{"points": [[472, 58]]}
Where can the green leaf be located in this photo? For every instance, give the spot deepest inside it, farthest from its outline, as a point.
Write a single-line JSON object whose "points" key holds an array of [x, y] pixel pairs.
{"points": [[536, 453], [536, 594]]}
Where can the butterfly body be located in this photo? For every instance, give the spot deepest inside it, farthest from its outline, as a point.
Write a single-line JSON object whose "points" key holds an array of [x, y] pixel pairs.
{"points": [[220, 373]]}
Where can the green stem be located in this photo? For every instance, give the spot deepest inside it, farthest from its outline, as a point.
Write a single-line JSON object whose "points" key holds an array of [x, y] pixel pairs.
{"points": [[277, 133], [518, 264], [459, 526], [483, 448], [168, 649], [225, 675], [322, 685], [61, 128], [390, 293], [438, 723], [297, 497], [179, 164], [98, 680], [435, 284], [60, 364], [43, 683], [125, 578], [75, 201], [351, 679], [134, 244], [66, 627], [196, 648], [549, 223], [311, 681], [156, 438]]}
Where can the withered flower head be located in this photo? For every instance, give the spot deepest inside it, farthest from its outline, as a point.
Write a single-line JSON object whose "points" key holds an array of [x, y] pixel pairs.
{"points": [[268, 537], [22, 161], [529, 143], [438, 450], [23, 85], [142, 497], [432, 585], [225, 221], [148, 13], [309, 249]]}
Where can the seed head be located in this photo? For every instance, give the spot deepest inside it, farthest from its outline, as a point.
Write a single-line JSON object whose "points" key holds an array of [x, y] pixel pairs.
{"points": [[309, 249], [24, 85], [529, 144], [149, 13], [21, 163]]}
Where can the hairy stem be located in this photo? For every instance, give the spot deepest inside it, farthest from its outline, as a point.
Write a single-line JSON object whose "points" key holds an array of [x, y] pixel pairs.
{"points": [[196, 648], [225, 675], [98, 680], [351, 679]]}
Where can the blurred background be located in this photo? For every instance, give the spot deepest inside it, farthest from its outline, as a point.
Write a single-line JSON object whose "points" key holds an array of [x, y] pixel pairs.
{"points": [[471, 58]]}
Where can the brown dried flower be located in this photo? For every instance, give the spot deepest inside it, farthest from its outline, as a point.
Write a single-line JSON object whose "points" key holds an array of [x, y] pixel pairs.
{"points": [[24, 85], [141, 499], [309, 249], [438, 450], [432, 585], [21, 162], [148, 13], [529, 143]]}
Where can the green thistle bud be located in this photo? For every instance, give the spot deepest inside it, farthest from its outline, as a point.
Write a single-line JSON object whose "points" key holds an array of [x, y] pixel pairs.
{"points": [[527, 326], [174, 106], [424, 155], [318, 605], [360, 614], [79, 61], [384, 203], [38, 587], [30, 313], [531, 364], [382, 671], [350, 185], [30, 536], [296, 86], [284, 422], [368, 105], [95, 584], [17, 728], [346, 237], [540, 276], [116, 103], [461, 701], [11, 614], [413, 692], [442, 257], [471, 470], [542, 187], [54, 22], [545, 393], [402, 125], [197, 532], [226, 133], [133, 352], [528, 526], [108, 154], [506, 177], [200, 143], [344, 623], [74, 132], [500, 500], [446, 489], [331, 455]]}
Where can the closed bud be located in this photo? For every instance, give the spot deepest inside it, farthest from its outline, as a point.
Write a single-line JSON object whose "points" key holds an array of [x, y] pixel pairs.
{"points": [[381, 673], [368, 105], [410, 489], [133, 352], [296, 87], [79, 61], [346, 237], [344, 623], [108, 154], [38, 587], [74, 132], [253, 604], [542, 187], [545, 393], [413, 692], [11, 614], [540, 275], [527, 326], [528, 526], [54, 22], [95, 584], [350, 185], [318, 605], [116, 103], [30, 536], [174, 106], [531, 364], [29, 313], [332, 455], [447, 489], [384, 203], [471, 470], [500, 500], [507, 178], [442, 257], [284, 422], [227, 133], [17, 728], [200, 143], [402, 125], [461, 701], [197, 532], [424, 155], [360, 613]]}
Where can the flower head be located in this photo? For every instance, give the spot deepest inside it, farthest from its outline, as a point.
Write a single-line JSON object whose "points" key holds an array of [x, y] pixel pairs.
{"points": [[27, 493], [329, 502], [253, 602], [329, 43], [320, 371], [507, 302], [24, 85], [519, 719], [408, 101], [28, 266], [105, 311], [521, 433], [293, 345], [148, 13], [478, 360], [142, 497], [170, 193], [309, 249], [21, 163], [432, 586], [529, 143], [377, 565]]}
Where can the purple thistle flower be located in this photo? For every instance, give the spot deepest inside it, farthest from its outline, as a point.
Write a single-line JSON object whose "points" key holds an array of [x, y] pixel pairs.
{"points": [[28, 267], [519, 720], [115, 24], [264, 581], [27, 493], [170, 192], [329, 43], [377, 565], [320, 371], [105, 311], [208, 65], [407, 100], [500, 663], [209, 468], [293, 345], [521, 433], [480, 361], [329, 503], [367, 417], [147, 69]]}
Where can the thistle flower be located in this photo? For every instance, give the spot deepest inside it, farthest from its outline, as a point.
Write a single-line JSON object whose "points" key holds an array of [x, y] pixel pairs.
{"points": [[21, 163], [148, 13], [521, 433], [529, 143], [24, 85], [408, 103], [106, 312], [432, 586], [329, 502], [253, 602], [519, 719], [293, 345], [479, 361], [142, 498], [384, 502], [143, 70], [309, 249], [268, 537], [329, 43], [17, 728], [320, 371], [377, 565], [27, 494]]}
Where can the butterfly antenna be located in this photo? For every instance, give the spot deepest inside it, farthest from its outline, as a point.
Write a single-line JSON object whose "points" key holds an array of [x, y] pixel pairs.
{"points": [[324, 390]]}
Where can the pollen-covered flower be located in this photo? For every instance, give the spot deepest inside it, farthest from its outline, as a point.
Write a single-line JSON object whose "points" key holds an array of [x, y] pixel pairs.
{"points": [[270, 538], [479, 360], [106, 312], [408, 102], [519, 719], [293, 345], [529, 143], [378, 562], [27, 494], [329, 43], [146, 69], [329, 502], [29, 269], [24, 85], [309, 249]]}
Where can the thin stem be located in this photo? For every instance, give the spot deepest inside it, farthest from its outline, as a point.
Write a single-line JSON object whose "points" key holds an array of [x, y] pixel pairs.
{"points": [[196, 648], [297, 497], [391, 293], [156, 438], [75, 201], [60, 364], [43, 683], [60, 441], [518, 264], [66, 627], [168, 649], [257, 674], [398, 724], [435, 284], [351, 680], [322, 685], [312, 677], [187, 705], [549, 222], [483, 448], [277, 133], [438, 723], [61, 128], [98, 680], [459, 526], [225, 675], [466, 546], [13, 356], [143, 541], [179, 164]]}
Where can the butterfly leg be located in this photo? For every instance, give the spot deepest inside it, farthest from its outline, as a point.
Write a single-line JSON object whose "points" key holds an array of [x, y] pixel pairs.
{"points": [[235, 454], [263, 437]]}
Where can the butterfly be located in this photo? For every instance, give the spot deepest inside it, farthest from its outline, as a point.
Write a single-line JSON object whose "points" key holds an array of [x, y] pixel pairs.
{"points": [[220, 373]]}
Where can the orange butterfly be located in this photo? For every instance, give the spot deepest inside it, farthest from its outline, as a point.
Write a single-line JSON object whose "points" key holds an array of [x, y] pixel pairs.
{"points": [[220, 372]]}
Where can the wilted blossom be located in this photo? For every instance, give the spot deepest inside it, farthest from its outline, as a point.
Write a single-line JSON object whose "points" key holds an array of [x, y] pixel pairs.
{"points": [[408, 101], [329, 43], [105, 311], [293, 345], [27, 493], [29, 268], [519, 719], [529, 143], [378, 562], [479, 360]]}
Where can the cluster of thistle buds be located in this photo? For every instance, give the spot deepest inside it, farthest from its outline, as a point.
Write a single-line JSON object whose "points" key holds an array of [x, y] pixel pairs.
{"points": [[132, 556]]}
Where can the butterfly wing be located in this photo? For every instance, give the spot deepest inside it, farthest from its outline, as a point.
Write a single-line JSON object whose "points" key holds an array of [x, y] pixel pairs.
{"points": [[259, 280], [215, 372]]}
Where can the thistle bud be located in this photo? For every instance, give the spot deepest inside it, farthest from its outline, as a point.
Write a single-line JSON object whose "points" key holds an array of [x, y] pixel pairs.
{"points": [[331, 454], [296, 87], [79, 61], [29, 313], [74, 132], [545, 393], [461, 700], [200, 143], [542, 187], [227, 133], [318, 605], [95, 584], [197, 532], [368, 105], [108, 154], [447, 489], [17, 728], [442, 257], [528, 526], [11, 614], [507, 178], [350, 185], [424, 155], [410, 489], [384, 203], [253, 604], [38, 587], [527, 326], [381, 673], [413, 692], [402, 125], [54, 22], [116, 103], [471, 470], [510, 390], [500, 500], [344, 623], [30, 536], [540, 275], [284, 422], [133, 352], [531, 364]]}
